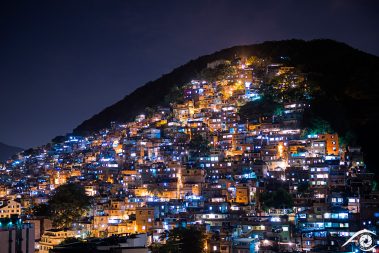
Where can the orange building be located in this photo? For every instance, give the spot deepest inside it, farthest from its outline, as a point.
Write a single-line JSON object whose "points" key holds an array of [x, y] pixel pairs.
{"points": [[144, 219], [243, 194], [332, 145]]}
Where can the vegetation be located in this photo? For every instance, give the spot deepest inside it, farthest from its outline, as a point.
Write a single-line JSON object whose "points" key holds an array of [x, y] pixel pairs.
{"points": [[67, 204], [155, 188], [174, 96], [41, 210], [218, 73], [303, 188], [317, 126], [254, 110], [149, 111], [183, 240], [198, 146], [30, 151], [58, 139], [279, 198]]}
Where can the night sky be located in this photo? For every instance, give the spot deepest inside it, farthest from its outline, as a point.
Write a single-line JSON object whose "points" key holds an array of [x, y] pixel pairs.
{"points": [[63, 61]]}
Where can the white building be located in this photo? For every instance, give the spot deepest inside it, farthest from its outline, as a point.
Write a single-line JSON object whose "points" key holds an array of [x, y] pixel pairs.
{"points": [[8, 208]]}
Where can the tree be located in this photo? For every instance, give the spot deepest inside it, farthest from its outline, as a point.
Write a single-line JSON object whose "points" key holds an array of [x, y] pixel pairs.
{"points": [[303, 187], [199, 146], [67, 204], [41, 210], [218, 73], [58, 139], [30, 151], [183, 240], [265, 107], [175, 95], [279, 198], [132, 216], [314, 124], [149, 111], [320, 126], [155, 188], [349, 138]]}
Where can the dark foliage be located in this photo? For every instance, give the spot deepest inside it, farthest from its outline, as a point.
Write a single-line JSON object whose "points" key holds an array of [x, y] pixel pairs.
{"points": [[58, 139], [254, 110], [303, 187], [279, 198], [41, 210], [198, 146], [181, 240], [217, 73], [67, 204]]}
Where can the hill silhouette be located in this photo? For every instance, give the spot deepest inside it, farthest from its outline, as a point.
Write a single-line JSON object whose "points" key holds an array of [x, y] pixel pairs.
{"points": [[348, 78], [7, 151]]}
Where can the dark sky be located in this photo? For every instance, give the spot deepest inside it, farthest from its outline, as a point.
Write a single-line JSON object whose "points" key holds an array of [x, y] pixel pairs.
{"points": [[63, 61]]}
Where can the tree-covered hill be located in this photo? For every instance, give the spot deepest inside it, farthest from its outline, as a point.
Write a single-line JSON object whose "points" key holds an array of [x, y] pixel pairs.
{"points": [[348, 81]]}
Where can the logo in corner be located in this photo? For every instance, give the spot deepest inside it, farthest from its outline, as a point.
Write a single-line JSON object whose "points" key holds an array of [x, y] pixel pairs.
{"points": [[364, 239]]}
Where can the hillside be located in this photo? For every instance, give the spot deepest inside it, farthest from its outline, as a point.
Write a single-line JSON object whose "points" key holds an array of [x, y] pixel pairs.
{"points": [[7, 151], [348, 78]]}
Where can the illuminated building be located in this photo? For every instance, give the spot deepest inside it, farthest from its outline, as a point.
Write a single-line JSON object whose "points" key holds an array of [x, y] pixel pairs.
{"points": [[144, 219], [52, 238], [16, 236]]}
